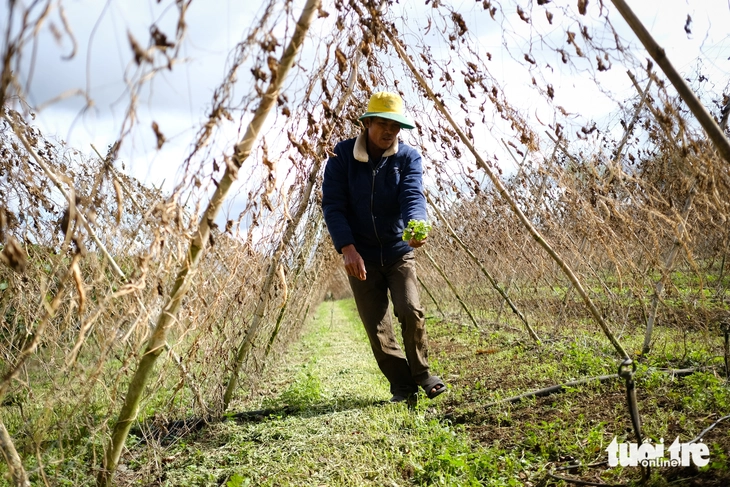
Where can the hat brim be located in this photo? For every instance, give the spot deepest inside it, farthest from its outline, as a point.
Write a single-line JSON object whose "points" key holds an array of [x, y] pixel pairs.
{"points": [[403, 121]]}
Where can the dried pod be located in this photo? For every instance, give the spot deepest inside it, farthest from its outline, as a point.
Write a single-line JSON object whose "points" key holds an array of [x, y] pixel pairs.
{"points": [[14, 256]]}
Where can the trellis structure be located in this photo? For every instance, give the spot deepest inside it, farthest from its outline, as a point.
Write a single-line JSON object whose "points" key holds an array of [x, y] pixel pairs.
{"points": [[107, 280]]}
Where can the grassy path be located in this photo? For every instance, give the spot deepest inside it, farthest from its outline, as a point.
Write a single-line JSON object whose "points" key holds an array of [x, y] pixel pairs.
{"points": [[334, 429]]}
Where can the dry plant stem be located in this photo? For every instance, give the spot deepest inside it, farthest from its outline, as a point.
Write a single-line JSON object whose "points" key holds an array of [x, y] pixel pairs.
{"points": [[668, 267], [121, 183], [49, 311], [486, 273], [15, 466], [693, 103], [282, 310], [289, 233], [54, 179], [187, 376], [168, 315], [453, 289], [503, 192], [634, 119], [652, 108]]}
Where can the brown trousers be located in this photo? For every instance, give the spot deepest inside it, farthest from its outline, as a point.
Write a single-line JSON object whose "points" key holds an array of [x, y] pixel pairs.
{"points": [[403, 372]]}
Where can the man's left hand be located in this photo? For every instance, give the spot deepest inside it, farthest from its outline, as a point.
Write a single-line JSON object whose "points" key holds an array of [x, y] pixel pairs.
{"points": [[416, 243]]}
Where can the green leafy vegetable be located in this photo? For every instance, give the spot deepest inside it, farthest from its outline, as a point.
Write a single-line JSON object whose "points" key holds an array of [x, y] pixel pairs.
{"points": [[417, 229]]}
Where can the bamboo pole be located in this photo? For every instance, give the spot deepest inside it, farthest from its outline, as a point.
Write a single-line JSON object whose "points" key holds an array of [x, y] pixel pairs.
{"points": [[634, 119], [652, 108], [453, 289], [507, 288], [486, 273], [169, 312], [538, 202], [285, 304], [668, 266], [430, 295], [289, 233], [503, 192], [671, 255], [15, 466], [179, 362], [720, 287], [712, 129]]}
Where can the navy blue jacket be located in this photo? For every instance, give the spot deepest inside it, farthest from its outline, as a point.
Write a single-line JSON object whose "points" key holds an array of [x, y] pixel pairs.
{"points": [[366, 202]]}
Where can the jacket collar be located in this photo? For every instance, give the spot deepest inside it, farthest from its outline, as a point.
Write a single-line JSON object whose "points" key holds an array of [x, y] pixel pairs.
{"points": [[361, 149]]}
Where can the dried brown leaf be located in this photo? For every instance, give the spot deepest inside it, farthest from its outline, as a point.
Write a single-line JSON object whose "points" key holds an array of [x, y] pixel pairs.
{"points": [[160, 136], [13, 255]]}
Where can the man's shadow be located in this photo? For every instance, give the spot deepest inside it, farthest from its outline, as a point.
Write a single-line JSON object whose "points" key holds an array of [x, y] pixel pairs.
{"points": [[166, 432]]}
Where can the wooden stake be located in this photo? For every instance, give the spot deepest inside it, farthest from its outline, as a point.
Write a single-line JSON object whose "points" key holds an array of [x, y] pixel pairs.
{"points": [[668, 266], [453, 289]]}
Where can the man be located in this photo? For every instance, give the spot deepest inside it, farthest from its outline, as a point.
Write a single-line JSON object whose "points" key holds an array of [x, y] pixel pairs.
{"points": [[372, 185]]}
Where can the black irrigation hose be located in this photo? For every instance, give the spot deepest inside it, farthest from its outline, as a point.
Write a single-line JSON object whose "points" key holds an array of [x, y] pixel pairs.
{"points": [[552, 389], [601, 378], [583, 482], [709, 428]]}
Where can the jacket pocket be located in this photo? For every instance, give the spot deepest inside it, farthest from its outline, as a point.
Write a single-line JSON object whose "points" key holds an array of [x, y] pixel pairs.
{"points": [[393, 178]]}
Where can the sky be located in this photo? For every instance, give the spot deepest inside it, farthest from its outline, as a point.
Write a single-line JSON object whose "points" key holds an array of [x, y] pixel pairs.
{"points": [[177, 100], [705, 47]]}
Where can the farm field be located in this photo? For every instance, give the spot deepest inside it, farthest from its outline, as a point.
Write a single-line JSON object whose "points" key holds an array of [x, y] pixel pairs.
{"points": [[322, 418], [177, 179]]}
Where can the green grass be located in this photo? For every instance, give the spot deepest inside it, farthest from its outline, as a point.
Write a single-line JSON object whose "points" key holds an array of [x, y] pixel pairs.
{"points": [[577, 425], [331, 425]]}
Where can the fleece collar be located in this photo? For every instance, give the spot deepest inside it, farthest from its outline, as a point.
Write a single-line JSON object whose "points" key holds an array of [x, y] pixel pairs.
{"points": [[361, 149]]}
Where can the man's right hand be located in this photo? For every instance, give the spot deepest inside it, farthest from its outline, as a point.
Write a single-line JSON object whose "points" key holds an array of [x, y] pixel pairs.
{"points": [[354, 265]]}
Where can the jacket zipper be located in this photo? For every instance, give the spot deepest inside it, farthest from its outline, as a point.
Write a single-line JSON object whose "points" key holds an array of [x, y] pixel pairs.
{"points": [[372, 215]]}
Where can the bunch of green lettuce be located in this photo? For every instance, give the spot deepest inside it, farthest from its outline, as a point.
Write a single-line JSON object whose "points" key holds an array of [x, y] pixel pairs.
{"points": [[417, 229]]}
